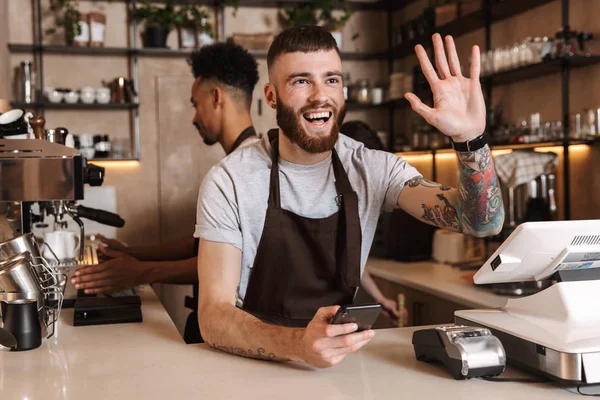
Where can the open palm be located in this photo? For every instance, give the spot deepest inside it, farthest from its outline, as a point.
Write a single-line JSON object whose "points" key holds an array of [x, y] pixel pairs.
{"points": [[459, 109]]}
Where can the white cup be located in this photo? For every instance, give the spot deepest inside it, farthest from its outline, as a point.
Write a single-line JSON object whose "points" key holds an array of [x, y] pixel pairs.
{"points": [[86, 140], [65, 245], [88, 95], [103, 95], [71, 97], [53, 95], [377, 95]]}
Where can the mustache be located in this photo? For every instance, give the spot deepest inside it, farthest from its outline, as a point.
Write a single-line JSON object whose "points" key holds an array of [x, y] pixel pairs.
{"points": [[320, 106]]}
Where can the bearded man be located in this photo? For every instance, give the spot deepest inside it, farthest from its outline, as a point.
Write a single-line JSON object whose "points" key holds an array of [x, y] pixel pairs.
{"points": [[286, 224]]}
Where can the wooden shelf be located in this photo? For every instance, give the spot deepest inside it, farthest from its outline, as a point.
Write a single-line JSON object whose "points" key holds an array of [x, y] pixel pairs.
{"points": [[55, 49], [514, 146], [470, 23], [76, 106], [541, 69], [159, 52]]}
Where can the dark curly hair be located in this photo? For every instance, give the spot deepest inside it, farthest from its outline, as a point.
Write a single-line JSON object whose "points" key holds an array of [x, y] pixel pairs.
{"points": [[304, 39], [226, 63]]}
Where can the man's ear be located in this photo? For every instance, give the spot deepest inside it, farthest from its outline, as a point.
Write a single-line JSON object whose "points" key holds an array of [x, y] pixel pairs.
{"points": [[270, 96], [218, 96]]}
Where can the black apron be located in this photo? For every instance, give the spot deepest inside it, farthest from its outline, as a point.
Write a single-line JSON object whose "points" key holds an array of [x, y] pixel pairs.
{"points": [[191, 332], [301, 263]]}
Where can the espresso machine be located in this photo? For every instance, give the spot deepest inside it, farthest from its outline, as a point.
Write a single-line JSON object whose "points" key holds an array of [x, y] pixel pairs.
{"points": [[41, 181]]}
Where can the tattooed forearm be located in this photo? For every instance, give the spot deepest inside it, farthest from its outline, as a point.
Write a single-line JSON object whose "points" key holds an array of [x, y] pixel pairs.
{"points": [[475, 207], [444, 216], [260, 353], [480, 198], [419, 181]]}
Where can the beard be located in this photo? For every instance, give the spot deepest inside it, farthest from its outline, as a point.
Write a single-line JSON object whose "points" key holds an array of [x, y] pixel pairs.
{"points": [[205, 135], [290, 123]]}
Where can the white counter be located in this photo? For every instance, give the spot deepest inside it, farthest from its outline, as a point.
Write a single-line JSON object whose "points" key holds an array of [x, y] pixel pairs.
{"points": [[150, 361], [440, 280]]}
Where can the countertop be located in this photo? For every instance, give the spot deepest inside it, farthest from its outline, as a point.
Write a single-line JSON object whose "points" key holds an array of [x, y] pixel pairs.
{"points": [[440, 280], [149, 360]]}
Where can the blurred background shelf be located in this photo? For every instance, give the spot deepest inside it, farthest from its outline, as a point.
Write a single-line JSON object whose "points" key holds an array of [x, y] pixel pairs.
{"points": [[469, 23], [534, 71], [76, 106]]}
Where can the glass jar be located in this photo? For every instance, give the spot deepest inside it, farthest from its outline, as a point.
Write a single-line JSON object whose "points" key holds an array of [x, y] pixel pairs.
{"points": [[363, 92], [346, 82]]}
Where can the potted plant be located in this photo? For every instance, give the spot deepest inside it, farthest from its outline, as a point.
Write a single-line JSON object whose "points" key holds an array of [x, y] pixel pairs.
{"points": [[301, 16], [159, 22], [320, 12], [67, 16], [193, 26], [330, 22]]}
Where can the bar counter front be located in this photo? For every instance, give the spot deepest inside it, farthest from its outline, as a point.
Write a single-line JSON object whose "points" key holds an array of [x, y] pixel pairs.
{"points": [[150, 360]]}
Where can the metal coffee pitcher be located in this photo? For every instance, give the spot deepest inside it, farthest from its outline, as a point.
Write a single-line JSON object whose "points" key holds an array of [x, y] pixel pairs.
{"points": [[121, 90], [25, 82]]}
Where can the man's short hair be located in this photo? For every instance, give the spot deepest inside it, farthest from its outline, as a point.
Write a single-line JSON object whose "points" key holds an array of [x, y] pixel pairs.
{"points": [[304, 39], [228, 64]]}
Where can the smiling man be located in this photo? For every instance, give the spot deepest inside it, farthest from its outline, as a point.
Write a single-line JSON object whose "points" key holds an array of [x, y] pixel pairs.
{"points": [[286, 224]]}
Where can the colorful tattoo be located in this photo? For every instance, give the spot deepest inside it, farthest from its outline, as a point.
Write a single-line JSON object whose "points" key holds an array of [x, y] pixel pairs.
{"points": [[480, 202], [476, 207], [444, 217]]}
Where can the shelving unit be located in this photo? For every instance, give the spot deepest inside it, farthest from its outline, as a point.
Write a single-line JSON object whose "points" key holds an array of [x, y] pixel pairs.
{"points": [[480, 19], [472, 22], [77, 106], [38, 50], [541, 69]]}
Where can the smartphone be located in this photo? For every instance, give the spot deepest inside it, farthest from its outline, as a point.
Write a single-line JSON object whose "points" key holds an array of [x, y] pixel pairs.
{"points": [[364, 315]]}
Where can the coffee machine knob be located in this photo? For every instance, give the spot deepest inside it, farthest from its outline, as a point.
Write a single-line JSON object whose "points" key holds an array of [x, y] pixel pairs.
{"points": [[93, 175]]}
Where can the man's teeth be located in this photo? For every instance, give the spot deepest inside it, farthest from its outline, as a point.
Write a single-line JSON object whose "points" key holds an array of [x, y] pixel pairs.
{"points": [[318, 115]]}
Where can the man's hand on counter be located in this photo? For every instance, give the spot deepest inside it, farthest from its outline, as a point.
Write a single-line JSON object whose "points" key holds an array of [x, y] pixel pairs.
{"points": [[120, 272], [324, 344]]}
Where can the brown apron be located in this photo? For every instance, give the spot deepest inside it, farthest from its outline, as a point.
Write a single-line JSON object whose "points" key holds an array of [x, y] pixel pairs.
{"points": [[303, 264]]}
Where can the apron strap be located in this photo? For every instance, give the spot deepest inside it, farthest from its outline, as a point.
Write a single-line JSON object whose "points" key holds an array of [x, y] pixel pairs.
{"points": [[349, 200], [274, 193], [247, 133]]}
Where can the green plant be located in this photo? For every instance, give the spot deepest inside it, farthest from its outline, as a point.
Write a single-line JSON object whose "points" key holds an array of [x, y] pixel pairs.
{"points": [[318, 12], [67, 16], [326, 16], [300, 16], [194, 15], [165, 17]]}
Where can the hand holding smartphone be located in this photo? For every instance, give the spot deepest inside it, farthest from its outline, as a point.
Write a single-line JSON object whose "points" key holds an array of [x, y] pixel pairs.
{"points": [[363, 315]]}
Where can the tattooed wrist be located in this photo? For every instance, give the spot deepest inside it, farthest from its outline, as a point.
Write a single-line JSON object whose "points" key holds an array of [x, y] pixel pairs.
{"points": [[260, 353]]}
